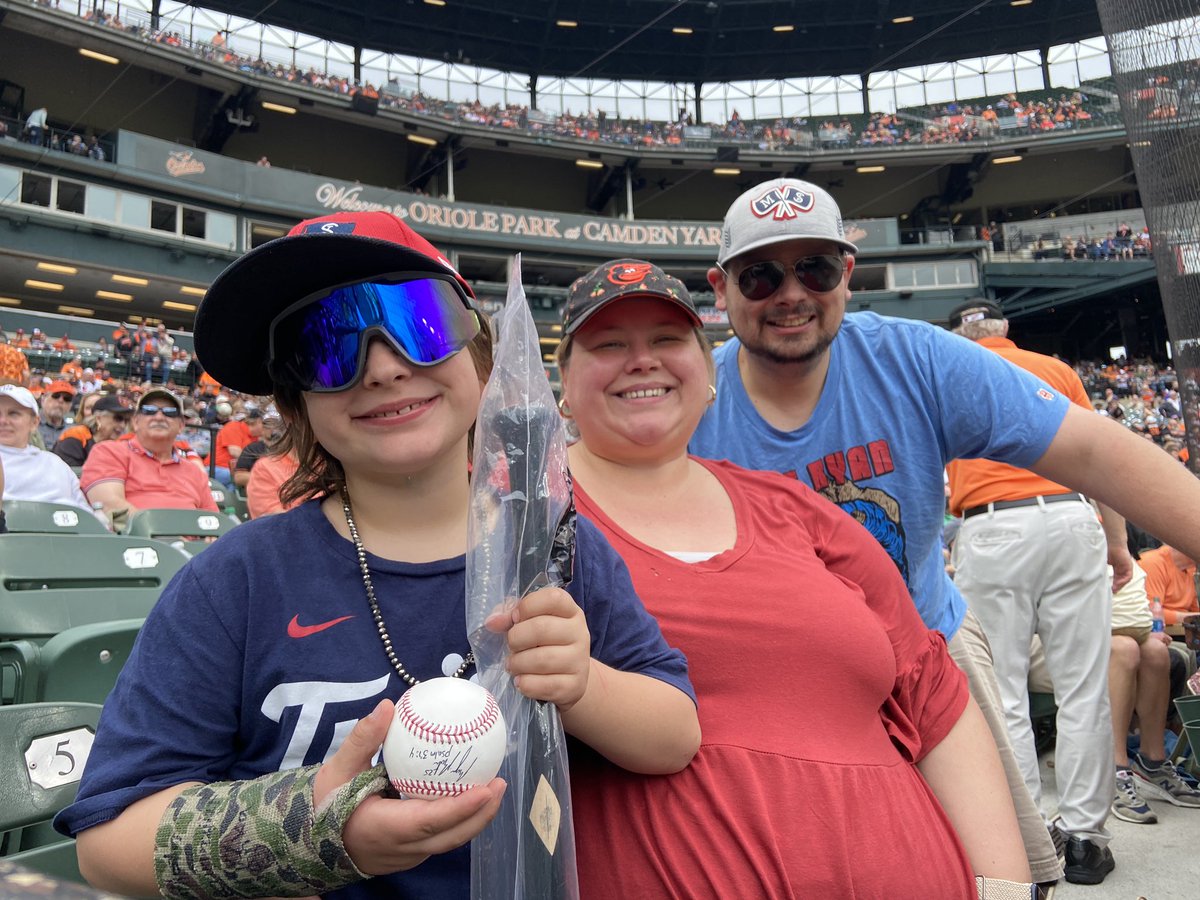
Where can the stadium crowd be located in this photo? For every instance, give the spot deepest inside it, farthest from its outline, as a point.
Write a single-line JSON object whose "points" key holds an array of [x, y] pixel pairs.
{"points": [[127, 381], [953, 122]]}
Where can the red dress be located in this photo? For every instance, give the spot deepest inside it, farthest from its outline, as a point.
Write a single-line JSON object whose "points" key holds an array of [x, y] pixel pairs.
{"points": [[819, 688]]}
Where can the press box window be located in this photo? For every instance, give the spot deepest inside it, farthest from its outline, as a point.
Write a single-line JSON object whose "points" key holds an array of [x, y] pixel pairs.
{"points": [[261, 232], [35, 189], [71, 196], [163, 216], [868, 278], [194, 223]]}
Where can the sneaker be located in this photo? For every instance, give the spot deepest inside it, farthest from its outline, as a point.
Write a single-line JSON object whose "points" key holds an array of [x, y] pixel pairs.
{"points": [[1127, 805], [1087, 861], [1160, 781]]}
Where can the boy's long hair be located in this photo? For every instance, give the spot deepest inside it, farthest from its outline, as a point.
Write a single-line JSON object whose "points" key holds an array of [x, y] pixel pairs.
{"points": [[319, 473]]}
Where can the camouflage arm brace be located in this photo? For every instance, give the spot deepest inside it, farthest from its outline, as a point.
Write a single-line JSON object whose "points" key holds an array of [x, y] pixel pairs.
{"points": [[259, 838]]}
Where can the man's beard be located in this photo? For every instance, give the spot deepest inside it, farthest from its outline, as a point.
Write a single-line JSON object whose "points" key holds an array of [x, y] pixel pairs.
{"points": [[788, 355]]}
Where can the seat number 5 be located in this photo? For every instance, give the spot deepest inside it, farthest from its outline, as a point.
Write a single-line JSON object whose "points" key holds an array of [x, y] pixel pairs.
{"points": [[53, 760]]}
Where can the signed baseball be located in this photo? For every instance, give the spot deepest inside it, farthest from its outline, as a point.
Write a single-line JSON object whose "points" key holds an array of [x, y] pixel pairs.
{"points": [[447, 736]]}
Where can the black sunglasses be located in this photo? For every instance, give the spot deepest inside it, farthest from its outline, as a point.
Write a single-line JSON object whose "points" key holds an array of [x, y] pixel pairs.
{"points": [[171, 412], [67, 398], [820, 274]]}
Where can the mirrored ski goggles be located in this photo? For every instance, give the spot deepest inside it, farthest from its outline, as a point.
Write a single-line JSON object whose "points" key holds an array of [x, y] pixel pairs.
{"points": [[320, 343], [821, 274]]}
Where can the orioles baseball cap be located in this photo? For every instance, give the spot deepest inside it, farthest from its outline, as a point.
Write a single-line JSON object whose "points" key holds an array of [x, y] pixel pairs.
{"points": [[61, 387], [785, 209], [974, 311], [234, 319], [621, 279]]}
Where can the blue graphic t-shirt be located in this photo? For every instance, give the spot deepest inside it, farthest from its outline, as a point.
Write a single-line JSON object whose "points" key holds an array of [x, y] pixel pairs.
{"points": [[901, 399], [262, 654]]}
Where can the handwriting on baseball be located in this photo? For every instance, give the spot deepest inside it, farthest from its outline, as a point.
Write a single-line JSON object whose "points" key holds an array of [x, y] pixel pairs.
{"points": [[450, 763]]}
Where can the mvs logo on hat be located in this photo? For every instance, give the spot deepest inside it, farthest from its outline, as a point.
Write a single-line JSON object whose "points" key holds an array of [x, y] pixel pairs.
{"points": [[783, 203], [786, 209]]}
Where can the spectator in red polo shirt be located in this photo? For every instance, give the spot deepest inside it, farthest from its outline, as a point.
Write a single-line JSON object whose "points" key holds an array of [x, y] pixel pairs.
{"points": [[147, 471]]}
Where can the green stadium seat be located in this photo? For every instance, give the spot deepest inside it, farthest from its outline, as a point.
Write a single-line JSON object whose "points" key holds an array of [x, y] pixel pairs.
{"points": [[43, 749], [79, 664], [232, 502], [25, 516], [186, 529], [52, 582]]}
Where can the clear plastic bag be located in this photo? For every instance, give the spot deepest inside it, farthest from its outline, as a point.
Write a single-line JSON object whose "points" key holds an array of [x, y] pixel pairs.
{"points": [[521, 537]]}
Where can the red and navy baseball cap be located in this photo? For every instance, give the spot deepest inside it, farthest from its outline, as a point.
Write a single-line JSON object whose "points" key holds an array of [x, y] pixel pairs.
{"points": [[620, 279], [234, 319]]}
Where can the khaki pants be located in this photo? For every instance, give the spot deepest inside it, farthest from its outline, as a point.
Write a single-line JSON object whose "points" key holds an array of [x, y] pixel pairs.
{"points": [[969, 649]]}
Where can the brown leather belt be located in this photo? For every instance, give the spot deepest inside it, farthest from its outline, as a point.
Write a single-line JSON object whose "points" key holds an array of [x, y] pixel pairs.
{"points": [[998, 505]]}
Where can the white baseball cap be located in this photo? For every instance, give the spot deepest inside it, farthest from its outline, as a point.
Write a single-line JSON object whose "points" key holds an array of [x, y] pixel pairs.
{"points": [[21, 395], [785, 209]]}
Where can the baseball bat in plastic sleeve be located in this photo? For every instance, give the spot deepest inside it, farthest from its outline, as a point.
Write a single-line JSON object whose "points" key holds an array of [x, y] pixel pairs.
{"points": [[521, 538]]}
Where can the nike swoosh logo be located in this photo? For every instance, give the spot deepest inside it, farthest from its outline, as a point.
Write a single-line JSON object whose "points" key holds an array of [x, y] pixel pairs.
{"points": [[296, 630]]}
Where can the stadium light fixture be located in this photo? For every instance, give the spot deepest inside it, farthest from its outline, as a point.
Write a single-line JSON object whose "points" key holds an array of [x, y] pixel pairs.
{"points": [[421, 139], [783, 29], [726, 170], [589, 164], [866, 170], [181, 307], [9, 301], [279, 107], [567, 23], [1001, 160], [115, 295], [57, 269], [130, 279], [76, 311], [902, 20], [436, 2], [43, 285], [1020, 3], [101, 57], [679, 29], [194, 291]]}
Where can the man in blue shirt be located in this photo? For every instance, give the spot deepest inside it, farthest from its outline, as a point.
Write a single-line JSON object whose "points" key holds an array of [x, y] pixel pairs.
{"points": [[869, 409]]}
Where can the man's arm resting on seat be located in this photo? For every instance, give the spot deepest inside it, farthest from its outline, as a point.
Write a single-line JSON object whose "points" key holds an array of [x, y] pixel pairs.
{"points": [[112, 495]]}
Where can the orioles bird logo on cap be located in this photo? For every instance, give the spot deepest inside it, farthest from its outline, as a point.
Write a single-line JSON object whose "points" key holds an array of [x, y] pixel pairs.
{"points": [[782, 203], [628, 273]]}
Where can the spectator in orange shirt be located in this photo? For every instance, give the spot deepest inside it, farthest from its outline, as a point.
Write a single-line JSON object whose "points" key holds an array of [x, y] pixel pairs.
{"points": [[209, 386], [234, 437], [19, 339], [64, 344], [1171, 577], [72, 369]]}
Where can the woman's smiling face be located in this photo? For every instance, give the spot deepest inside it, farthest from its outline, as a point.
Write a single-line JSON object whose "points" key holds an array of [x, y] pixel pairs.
{"points": [[636, 381]]}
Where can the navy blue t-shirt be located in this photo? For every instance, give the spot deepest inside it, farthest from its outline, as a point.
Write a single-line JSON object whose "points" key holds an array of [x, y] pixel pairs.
{"points": [[262, 654]]}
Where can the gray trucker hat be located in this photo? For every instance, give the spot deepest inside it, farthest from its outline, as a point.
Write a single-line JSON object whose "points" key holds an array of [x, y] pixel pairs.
{"points": [[785, 209]]}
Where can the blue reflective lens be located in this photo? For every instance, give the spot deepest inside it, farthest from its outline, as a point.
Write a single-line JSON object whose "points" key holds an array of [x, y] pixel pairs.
{"points": [[320, 343]]}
